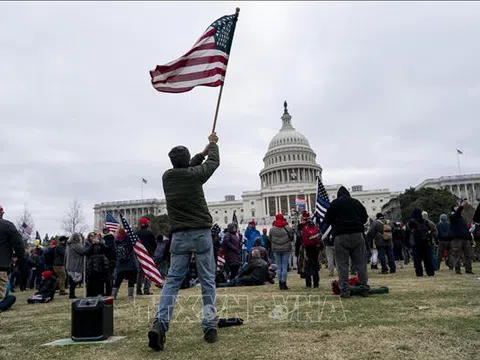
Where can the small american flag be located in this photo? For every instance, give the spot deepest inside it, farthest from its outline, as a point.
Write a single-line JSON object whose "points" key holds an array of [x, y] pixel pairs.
{"points": [[146, 262], [144, 181], [26, 229], [322, 204], [204, 65], [459, 152], [111, 223]]}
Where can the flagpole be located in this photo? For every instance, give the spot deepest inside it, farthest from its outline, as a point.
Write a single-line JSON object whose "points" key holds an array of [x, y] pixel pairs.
{"points": [[141, 189], [237, 11], [458, 161]]}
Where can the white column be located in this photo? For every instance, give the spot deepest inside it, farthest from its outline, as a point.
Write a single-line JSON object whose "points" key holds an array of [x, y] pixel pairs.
{"points": [[288, 203], [268, 207]]}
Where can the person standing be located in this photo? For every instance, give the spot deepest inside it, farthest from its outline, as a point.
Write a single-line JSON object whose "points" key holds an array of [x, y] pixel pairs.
{"points": [[10, 242], [347, 217], [251, 233], [75, 262], [311, 242], [382, 235], [422, 239], [232, 244], [109, 240], [191, 224], [461, 242], [330, 251], [445, 237], [126, 267], [59, 264], [147, 238], [281, 236]]}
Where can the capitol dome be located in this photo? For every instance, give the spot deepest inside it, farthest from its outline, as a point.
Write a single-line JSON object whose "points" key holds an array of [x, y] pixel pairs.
{"points": [[289, 158]]}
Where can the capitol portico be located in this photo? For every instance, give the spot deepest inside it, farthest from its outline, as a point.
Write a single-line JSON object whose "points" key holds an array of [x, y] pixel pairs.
{"points": [[287, 184]]}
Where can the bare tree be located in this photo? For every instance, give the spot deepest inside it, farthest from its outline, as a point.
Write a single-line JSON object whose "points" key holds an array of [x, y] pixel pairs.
{"points": [[74, 220], [25, 218]]}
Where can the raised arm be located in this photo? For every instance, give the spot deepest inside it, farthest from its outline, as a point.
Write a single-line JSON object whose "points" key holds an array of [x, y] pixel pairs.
{"points": [[204, 171]]}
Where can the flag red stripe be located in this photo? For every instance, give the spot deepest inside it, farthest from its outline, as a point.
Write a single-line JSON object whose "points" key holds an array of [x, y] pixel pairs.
{"points": [[147, 264], [193, 76], [207, 34], [185, 89], [160, 69], [185, 63]]}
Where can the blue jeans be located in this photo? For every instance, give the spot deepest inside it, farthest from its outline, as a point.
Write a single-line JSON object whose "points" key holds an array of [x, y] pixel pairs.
{"points": [[184, 244], [386, 251], [282, 259]]}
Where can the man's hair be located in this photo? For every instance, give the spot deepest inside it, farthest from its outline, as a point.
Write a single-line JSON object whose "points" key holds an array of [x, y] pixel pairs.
{"points": [[255, 254], [180, 157], [257, 241]]}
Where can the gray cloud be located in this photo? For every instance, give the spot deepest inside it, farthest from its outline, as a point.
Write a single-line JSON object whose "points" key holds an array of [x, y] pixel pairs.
{"points": [[385, 92]]}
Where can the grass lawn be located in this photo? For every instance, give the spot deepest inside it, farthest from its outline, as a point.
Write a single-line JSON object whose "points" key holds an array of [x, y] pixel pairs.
{"points": [[427, 318]]}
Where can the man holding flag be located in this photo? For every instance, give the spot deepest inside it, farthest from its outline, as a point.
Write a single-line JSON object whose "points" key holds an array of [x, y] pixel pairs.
{"points": [[191, 224], [205, 64]]}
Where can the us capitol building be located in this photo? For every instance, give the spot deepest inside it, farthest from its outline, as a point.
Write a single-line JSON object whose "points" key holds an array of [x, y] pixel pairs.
{"points": [[288, 184]]}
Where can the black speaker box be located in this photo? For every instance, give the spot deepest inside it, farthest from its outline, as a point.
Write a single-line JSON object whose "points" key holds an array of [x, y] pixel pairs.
{"points": [[92, 319]]}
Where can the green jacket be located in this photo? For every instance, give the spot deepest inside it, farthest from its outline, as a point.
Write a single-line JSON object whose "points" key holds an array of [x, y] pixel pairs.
{"points": [[186, 205]]}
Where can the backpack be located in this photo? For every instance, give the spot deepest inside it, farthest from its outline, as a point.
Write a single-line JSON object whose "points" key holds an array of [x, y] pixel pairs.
{"points": [[310, 236], [422, 234], [387, 232]]}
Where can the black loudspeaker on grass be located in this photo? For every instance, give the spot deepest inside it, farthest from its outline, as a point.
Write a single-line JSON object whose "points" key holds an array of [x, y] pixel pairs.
{"points": [[92, 319]]}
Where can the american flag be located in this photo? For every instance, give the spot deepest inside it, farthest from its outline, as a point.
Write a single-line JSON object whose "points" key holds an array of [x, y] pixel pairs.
{"points": [[322, 204], [204, 65], [146, 262], [144, 181], [26, 229], [111, 223]]}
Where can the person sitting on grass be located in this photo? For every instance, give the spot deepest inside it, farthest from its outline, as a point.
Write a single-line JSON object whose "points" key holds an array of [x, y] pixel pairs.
{"points": [[46, 292], [263, 252], [256, 273]]}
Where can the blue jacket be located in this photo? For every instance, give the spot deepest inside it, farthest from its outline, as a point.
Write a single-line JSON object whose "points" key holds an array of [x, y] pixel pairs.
{"points": [[444, 229], [251, 235]]}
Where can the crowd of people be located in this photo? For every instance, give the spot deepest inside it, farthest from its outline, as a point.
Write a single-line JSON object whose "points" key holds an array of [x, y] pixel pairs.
{"points": [[197, 252]]}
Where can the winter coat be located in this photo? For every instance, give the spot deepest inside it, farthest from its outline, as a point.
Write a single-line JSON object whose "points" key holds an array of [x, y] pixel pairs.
{"points": [[109, 240], [232, 244], [263, 253], [97, 262], [398, 239], [256, 272], [459, 225], [125, 254], [281, 238], [376, 233], [183, 187], [148, 240], [444, 229], [10, 241], [59, 255], [47, 287], [251, 234], [346, 215], [75, 257]]}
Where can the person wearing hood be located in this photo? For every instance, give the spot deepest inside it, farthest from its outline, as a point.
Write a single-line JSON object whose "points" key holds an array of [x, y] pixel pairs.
{"points": [[382, 235], [347, 217], [281, 236], [190, 224], [148, 240], [232, 243], [434, 236], [421, 240], [461, 242], [445, 237], [126, 264]]}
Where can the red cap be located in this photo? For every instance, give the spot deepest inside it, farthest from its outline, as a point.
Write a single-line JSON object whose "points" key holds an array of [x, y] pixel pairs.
{"points": [[53, 243], [47, 274], [143, 221], [264, 230], [252, 222]]}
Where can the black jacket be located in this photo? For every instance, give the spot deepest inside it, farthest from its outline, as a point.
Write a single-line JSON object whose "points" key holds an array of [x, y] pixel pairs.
{"points": [[459, 225], [10, 241], [256, 272], [476, 217], [148, 240], [110, 250], [59, 255], [47, 287], [346, 215]]}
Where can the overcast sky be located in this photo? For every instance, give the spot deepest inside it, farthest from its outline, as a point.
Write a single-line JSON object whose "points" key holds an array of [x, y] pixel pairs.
{"points": [[385, 93]]}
